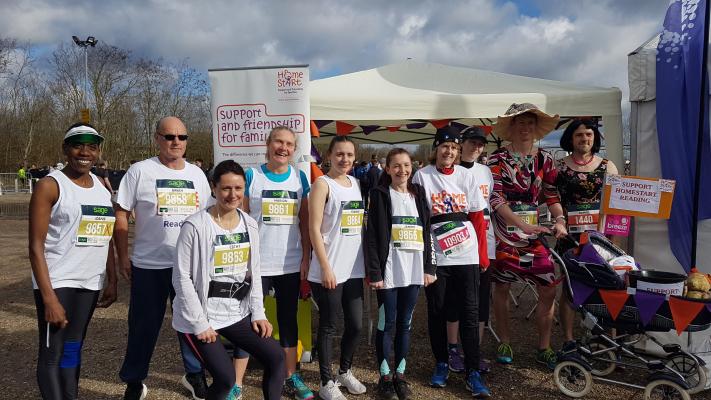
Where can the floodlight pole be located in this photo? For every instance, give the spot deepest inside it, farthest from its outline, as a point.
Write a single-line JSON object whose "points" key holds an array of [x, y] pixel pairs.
{"points": [[90, 41]]}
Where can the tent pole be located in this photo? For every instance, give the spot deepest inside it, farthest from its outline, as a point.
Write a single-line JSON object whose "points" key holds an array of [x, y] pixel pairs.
{"points": [[703, 109]]}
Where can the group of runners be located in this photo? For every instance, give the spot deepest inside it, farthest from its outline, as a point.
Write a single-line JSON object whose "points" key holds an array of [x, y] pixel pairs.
{"points": [[216, 248]]}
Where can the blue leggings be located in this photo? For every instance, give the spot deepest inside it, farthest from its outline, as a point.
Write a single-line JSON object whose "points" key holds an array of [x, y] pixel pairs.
{"points": [[59, 359], [395, 308]]}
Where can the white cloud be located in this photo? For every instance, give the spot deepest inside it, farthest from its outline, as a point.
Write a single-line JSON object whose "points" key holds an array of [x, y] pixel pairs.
{"points": [[572, 40]]}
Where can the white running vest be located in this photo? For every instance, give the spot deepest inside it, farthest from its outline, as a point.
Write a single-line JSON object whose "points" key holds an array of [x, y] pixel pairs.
{"points": [[80, 226], [342, 234], [275, 206]]}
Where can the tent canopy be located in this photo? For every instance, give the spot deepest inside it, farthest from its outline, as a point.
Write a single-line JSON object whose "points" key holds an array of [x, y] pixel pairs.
{"points": [[424, 95]]}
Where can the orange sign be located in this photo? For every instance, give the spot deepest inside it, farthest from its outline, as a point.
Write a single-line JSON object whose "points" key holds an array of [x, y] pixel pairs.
{"points": [[637, 196]]}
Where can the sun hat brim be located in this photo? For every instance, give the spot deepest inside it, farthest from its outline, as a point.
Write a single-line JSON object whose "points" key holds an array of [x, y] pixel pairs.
{"points": [[545, 123]]}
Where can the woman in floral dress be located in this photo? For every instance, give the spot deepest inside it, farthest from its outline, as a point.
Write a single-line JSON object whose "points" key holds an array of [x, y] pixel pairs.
{"points": [[524, 177], [581, 176]]}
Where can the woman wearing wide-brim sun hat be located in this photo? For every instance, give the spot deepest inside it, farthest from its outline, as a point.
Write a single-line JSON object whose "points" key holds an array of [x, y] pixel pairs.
{"points": [[524, 176]]}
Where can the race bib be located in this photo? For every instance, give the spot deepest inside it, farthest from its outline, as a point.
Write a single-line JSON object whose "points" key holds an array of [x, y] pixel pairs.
{"points": [[279, 207], [453, 238], [583, 217], [352, 217], [176, 197], [407, 233], [96, 226], [231, 254], [528, 214]]}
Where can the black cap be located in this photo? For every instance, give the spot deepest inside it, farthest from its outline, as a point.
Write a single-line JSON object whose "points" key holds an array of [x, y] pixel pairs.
{"points": [[448, 133], [474, 132]]}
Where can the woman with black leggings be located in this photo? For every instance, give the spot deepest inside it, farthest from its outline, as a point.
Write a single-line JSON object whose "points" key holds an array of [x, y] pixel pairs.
{"points": [[71, 225], [336, 272], [218, 288]]}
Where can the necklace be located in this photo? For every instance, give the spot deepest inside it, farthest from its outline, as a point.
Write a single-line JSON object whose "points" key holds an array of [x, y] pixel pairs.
{"points": [[582, 163], [523, 161]]}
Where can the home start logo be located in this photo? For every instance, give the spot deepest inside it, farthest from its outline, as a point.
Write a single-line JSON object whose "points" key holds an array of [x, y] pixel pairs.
{"points": [[290, 81]]}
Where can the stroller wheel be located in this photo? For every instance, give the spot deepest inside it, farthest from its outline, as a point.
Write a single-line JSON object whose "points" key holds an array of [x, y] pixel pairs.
{"points": [[690, 369], [662, 389], [603, 363], [572, 379]]}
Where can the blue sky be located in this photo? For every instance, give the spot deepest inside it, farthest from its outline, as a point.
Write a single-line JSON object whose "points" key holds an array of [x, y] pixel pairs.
{"points": [[585, 41]]}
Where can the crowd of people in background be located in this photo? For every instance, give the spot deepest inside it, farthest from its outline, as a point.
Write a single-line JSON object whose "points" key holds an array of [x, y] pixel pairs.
{"points": [[216, 243]]}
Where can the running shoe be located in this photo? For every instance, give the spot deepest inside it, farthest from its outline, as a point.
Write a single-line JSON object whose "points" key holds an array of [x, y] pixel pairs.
{"points": [[456, 361], [235, 393], [196, 384], [386, 389], [504, 354], [440, 376], [330, 391], [135, 391], [348, 381], [547, 357], [296, 387], [402, 388], [476, 385]]}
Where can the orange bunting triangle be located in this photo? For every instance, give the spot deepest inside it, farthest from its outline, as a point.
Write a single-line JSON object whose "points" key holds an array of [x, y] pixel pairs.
{"points": [[343, 129], [440, 123], [314, 130], [683, 312], [614, 300], [487, 128], [393, 128], [315, 172]]}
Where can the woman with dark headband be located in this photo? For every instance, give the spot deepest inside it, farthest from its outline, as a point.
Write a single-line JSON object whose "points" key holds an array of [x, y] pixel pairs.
{"points": [[71, 252], [218, 288], [581, 176], [524, 177]]}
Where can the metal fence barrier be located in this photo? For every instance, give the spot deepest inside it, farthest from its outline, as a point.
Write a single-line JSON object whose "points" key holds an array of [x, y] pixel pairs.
{"points": [[10, 183]]}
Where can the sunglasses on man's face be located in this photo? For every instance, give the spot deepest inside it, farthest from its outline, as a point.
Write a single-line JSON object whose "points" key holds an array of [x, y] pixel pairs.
{"points": [[171, 137]]}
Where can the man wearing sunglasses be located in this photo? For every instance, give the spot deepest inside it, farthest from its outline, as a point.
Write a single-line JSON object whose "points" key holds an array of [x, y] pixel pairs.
{"points": [[163, 191]]}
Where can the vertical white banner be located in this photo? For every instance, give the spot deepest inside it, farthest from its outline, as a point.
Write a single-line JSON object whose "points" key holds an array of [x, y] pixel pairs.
{"points": [[246, 103]]}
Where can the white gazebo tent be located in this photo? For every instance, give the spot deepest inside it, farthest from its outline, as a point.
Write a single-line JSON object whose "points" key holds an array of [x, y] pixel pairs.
{"points": [[411, 93]]}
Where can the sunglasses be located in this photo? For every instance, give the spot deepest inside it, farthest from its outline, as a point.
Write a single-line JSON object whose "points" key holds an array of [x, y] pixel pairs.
{"points": [[171, 137]]}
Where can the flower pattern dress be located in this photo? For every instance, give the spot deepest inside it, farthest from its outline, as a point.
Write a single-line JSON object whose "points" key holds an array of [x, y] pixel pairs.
{"points": [[578, 188], [528, 182]]}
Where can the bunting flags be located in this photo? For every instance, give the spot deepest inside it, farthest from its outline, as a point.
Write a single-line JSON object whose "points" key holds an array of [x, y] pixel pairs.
{"points": [[343, 129], [647, 304], [683, 312], [581, 292], [614, 300], [314, 130]]}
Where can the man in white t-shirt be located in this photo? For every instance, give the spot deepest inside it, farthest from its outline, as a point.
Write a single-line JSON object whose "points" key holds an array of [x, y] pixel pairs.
{"points": [[162, 191]]}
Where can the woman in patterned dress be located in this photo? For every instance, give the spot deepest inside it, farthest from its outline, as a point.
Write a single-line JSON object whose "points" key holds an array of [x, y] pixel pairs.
{"points": [[524, 177], [581, 176]]}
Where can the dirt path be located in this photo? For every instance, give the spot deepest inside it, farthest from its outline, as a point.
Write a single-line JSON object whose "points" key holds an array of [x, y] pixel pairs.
{"points": [[106, 341]]}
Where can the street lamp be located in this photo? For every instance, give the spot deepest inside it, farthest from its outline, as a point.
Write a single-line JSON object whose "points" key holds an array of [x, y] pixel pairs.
{"points": [[90, 41]]}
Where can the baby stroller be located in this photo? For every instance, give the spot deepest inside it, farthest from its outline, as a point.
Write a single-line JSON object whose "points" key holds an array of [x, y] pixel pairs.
{"points": [[589, 276]]}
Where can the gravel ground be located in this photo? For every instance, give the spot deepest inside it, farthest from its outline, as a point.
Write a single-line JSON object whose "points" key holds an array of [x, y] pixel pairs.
{"points": [[106, 341]]}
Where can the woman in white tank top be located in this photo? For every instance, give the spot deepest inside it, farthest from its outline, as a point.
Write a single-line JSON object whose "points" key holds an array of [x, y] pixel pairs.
{"points": [[276, 197], [336, 273], [71, 225]]}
